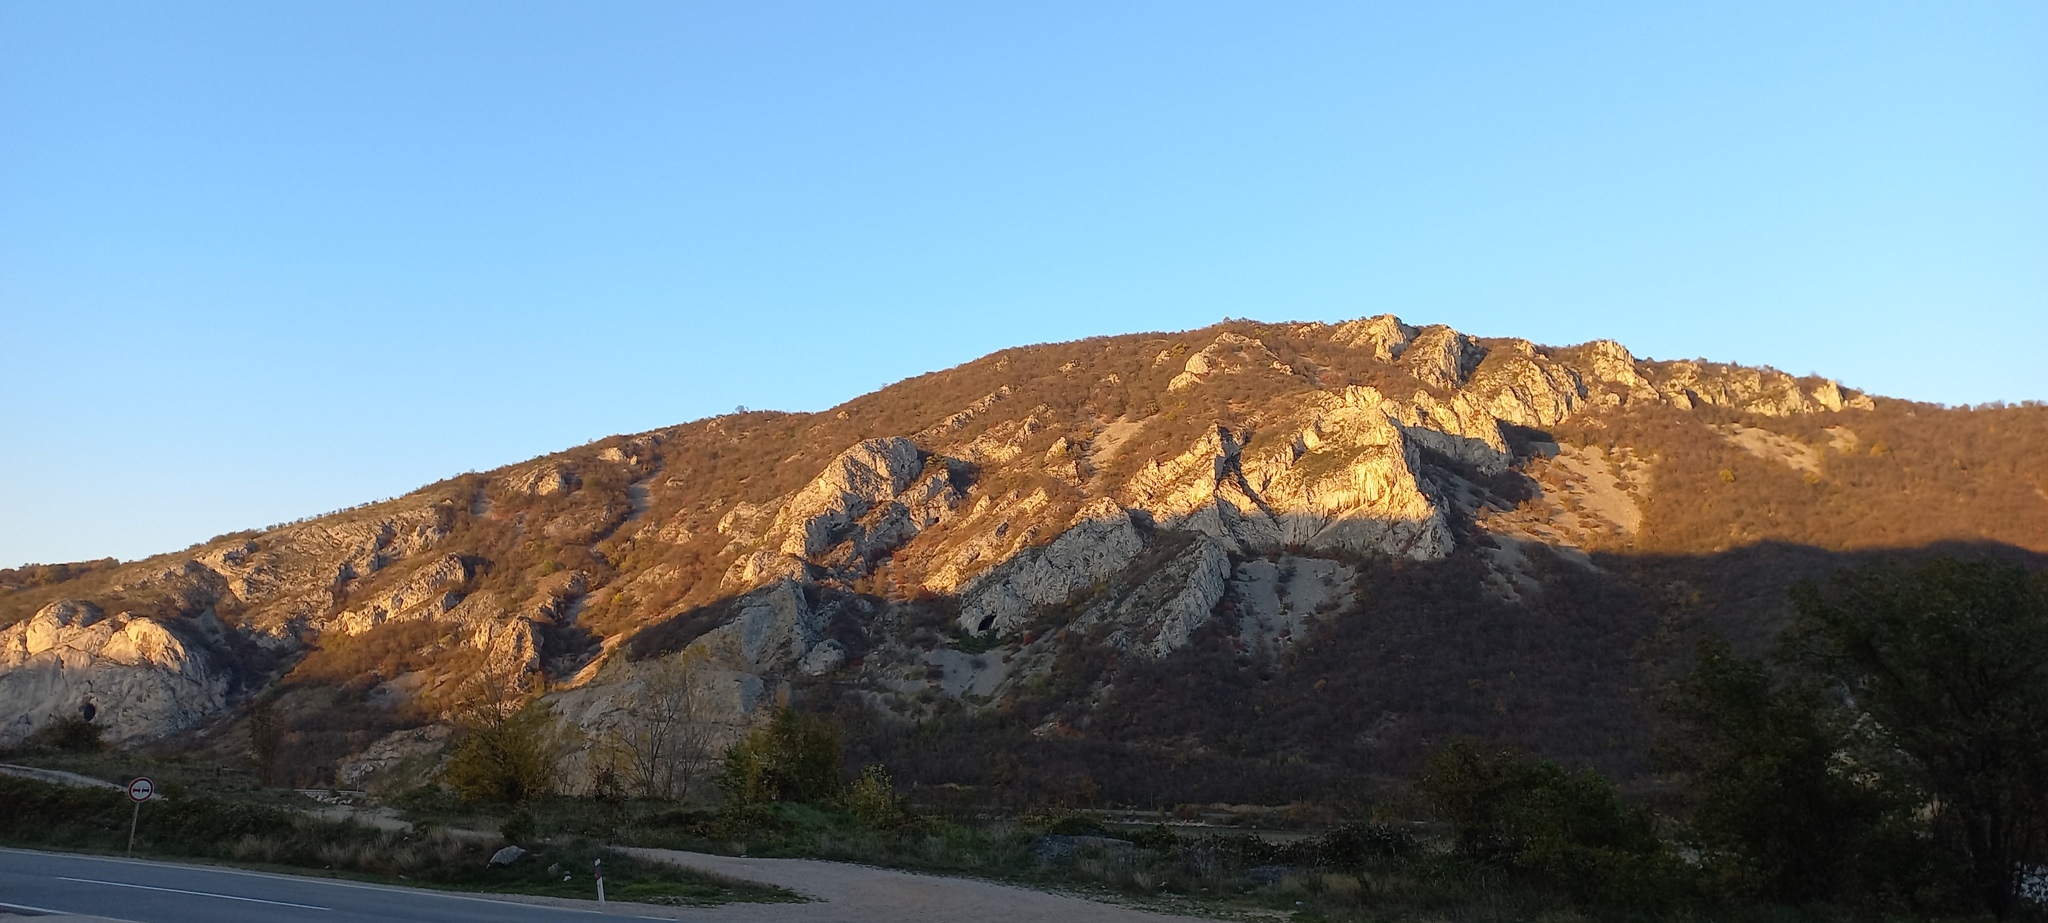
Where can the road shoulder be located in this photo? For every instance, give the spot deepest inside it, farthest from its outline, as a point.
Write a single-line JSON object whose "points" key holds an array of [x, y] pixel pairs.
{"points": [[848, 893]]}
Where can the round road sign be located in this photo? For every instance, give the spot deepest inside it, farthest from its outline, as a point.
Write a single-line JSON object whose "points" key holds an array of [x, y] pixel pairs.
{"points": [[141, 789]]}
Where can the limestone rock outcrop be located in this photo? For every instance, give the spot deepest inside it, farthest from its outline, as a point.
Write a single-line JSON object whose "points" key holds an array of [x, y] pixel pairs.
{"points": [[544, 480], [1163, 613], [1525, 388], [1230, 354], [430, 591], [1347, 481], [141, 678], [1101, 541], [868, 501], [1383, 337], [776, 628], [871, 472], [1125, 485], [1442, 358]]}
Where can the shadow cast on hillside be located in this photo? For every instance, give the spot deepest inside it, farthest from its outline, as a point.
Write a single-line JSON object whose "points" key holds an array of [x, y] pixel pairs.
{"points": [[1426, 655]]}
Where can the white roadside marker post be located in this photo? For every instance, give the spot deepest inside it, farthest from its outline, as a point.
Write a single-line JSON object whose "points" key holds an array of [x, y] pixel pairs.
{"points": [[599, 865], [139, 791]]}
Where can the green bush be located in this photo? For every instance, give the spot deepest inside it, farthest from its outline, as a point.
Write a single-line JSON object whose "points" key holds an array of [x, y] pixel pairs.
{"points": [[1775, 817], [1567, 831], [793, 759], [1942, 669], [508, 756], [67, 735], [518, 827], [872, 799]]}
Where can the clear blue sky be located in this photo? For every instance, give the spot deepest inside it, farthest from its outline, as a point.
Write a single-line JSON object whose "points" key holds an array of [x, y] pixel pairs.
{"points": [[262, 260]]}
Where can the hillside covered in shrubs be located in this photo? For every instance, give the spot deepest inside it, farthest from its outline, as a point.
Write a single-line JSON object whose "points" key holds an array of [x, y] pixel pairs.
{"points": [[1252, 563]]}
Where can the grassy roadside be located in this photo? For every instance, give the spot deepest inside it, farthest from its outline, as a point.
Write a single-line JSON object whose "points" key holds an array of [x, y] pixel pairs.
{"points": [[1357, 872], [1353, 872], [266, 837]]}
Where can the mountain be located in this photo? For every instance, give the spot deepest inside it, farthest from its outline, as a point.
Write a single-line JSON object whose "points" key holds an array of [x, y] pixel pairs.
{"points": [[1247, 562]]}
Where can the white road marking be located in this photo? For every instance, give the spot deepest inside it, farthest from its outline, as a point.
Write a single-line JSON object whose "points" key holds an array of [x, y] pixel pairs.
{"points": [[225, 897], [306, 879], [7, 906]]}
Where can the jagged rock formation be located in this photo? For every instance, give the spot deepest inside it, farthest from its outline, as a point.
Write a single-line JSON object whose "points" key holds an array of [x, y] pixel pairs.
{"points": [[1229, 354], [1101, 540], [1134, 493], [870, 500], [70, 655]]}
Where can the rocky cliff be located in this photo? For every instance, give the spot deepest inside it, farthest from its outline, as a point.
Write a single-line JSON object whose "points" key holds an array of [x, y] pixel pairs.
{"points": [[955, 538]]}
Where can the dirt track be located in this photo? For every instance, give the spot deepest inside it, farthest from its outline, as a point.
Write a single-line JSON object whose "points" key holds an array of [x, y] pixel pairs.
{"points": [[859, 894]]}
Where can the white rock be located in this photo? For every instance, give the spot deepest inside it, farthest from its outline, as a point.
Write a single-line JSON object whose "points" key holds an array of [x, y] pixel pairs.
{"points": [[1612, 363], [143, 680], [822, 659], [1101, 541], [1229, 354], [1441, 357], [773, 629], [543, 480], [851, 484], [1385, 337], [1529, 390], [1356, 489], [1174, 623]]}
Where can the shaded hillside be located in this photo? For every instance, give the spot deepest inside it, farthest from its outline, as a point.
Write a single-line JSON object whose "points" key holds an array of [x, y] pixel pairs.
{"points": [[1347, 717], [1229, 563]]}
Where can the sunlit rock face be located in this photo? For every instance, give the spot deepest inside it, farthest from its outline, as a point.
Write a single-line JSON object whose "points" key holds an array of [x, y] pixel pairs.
{"points": [[1126, 490], [140, 678]]}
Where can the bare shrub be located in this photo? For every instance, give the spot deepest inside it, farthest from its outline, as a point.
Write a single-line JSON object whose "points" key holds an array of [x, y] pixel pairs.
{"points": [[333, 854], [664, 748], [405, 858], [256, 847], [1340, 887]]}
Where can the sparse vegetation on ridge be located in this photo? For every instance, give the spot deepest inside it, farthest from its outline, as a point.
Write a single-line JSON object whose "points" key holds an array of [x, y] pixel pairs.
{"points": [[1540, 540]]}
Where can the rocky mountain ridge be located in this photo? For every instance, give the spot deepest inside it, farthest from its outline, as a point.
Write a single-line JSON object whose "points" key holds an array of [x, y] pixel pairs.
{"points": [[950, 542]]}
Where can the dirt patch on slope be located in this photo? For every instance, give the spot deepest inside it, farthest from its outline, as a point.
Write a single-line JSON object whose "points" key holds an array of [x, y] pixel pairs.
{"points": [[1776, 447]]}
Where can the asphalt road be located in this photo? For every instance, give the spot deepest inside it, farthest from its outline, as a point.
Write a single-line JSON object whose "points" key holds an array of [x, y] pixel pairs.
{"points": [[161, 892]]}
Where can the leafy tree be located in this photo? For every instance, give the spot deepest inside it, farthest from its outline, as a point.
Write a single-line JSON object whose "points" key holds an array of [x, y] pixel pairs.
{"points": [[266, 738], [1787, 809], [67, 735], [872, 798], [1477, 793], [1568, 830], [795, 758], [508, 755], [1949, 659]]}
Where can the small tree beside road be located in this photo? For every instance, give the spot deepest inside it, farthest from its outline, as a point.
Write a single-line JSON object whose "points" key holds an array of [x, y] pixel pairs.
{"points": [[664, 745], [508, 755]]}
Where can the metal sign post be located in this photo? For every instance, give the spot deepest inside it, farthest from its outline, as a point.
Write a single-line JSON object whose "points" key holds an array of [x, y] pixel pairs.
{"points": [[139, 791], [599, 865]]}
